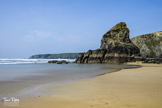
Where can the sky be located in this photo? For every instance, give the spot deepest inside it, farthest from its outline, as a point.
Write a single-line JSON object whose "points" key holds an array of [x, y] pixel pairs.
{"points": [[29, 27]]}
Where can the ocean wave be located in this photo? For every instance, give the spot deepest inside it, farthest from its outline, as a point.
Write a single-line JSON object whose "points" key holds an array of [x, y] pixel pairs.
{"points": [[25, 61]]}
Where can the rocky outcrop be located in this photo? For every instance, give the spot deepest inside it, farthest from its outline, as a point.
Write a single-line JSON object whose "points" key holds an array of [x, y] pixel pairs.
{"points": [[58, 62], [150, 45], [116, 40], [153, 60], [116, 47]]}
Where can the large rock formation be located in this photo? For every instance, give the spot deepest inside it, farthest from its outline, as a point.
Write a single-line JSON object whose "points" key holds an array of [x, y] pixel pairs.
{"points": [[117, 40], [116, 47], [150, 45]]}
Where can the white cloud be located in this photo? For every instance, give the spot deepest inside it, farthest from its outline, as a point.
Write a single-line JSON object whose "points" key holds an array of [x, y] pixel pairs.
{"points": [[38, 35], [67, 39], [61, 38]]}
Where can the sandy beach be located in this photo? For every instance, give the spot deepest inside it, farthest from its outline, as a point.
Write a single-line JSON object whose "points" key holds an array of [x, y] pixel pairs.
{"points": [[132, 88]]}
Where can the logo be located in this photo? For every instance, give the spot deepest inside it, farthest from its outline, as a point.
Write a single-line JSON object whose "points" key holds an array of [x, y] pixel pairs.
{"points": [[11, 102]]}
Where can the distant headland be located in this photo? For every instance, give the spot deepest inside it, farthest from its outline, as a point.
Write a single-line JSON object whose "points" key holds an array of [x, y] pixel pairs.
{"points": [[55, 56]]}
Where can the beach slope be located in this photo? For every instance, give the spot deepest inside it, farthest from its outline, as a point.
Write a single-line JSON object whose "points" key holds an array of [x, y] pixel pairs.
{"points": [[127, 88]]}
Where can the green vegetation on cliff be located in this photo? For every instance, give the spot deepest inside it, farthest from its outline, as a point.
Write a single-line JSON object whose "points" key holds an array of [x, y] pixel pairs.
{"points": [[55, 56], [119, 26], [150, 45]]}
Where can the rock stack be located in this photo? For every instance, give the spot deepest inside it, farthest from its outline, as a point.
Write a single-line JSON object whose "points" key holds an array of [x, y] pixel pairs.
{"points": [[116, 47]]}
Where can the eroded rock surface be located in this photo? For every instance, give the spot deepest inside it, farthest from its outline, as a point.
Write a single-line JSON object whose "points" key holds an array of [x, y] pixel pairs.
{"points": [[116, 47], [150, 45]]}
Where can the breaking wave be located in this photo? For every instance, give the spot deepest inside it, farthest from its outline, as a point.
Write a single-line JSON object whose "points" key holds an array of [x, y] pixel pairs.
{"points": [[25, 61]]}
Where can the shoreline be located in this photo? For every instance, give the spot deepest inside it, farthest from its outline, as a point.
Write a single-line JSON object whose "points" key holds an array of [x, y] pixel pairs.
{"points": [[30, 90], [124, 88], [104, 91], [22, 88]]}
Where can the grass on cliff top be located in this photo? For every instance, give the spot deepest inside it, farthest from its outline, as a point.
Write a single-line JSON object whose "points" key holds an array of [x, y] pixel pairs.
{"points": [[121, 25]]}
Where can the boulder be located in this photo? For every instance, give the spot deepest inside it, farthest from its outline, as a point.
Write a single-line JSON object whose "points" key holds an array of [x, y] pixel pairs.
{"points": [[49, 61], [58, 62], [53, 61]]}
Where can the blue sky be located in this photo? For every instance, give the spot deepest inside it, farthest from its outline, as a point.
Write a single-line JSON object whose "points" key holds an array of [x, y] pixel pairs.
{"points": [[29, 27]]}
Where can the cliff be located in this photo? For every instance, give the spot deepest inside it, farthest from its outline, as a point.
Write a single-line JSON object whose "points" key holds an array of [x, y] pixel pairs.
{"points": [[116, 47], [150, 45], [55, 56]]}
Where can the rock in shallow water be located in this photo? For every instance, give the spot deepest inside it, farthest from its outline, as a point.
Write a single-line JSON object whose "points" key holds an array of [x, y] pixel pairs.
{"points": [[58, 62]]}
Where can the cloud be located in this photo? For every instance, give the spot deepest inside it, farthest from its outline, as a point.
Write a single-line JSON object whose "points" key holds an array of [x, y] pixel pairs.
{"points": [[57, 37], [67, 39], [38, 35]]}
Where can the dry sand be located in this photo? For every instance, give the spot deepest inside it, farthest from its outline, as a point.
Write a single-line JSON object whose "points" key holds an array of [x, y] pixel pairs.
{"points": [[128, 88]]}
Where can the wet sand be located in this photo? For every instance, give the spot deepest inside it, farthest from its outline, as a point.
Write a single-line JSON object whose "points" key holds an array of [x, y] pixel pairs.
{"points": [[15, 78], [132, 88]]}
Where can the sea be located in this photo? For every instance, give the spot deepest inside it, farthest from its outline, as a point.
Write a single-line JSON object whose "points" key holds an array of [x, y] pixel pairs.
{"points": [[20, 74], [26, 61]]}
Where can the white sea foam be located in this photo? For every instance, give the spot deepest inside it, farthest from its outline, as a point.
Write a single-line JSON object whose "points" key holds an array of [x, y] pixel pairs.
{"points": [[25, 61]]}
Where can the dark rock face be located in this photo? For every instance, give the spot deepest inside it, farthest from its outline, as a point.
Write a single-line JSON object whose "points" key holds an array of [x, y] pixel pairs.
{"points": [[118, 33], [116, 47], [117, 40], [153, 60]]}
